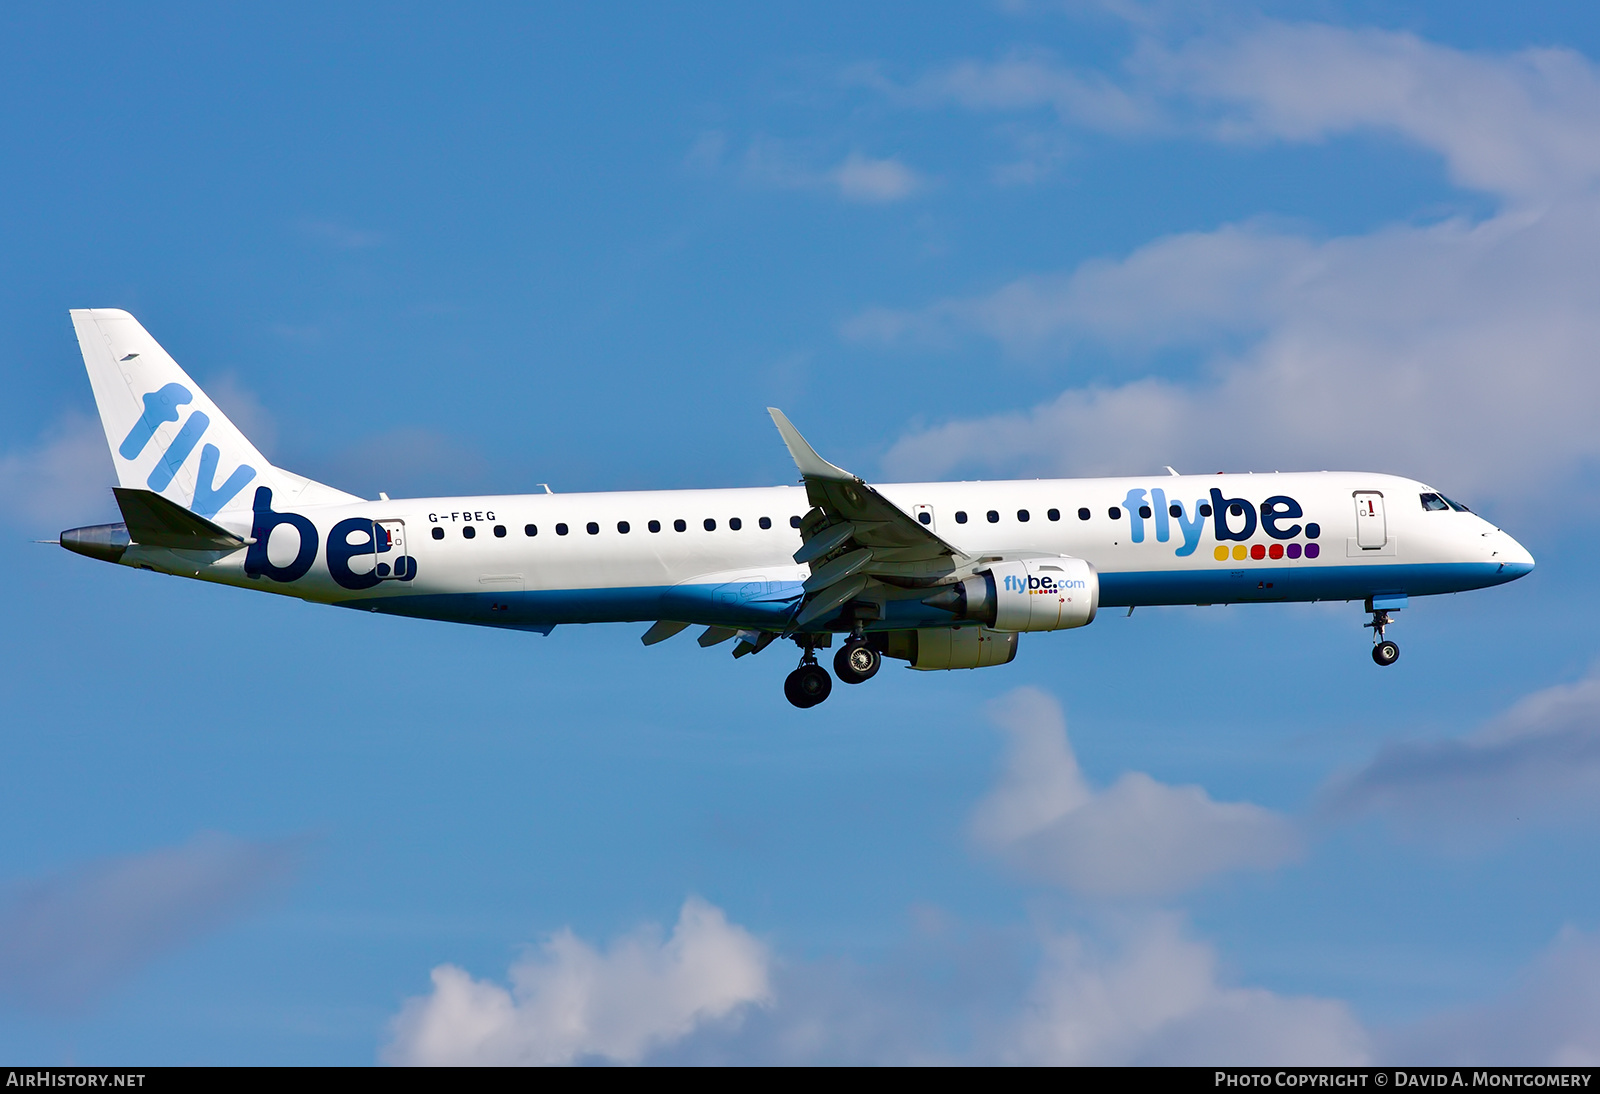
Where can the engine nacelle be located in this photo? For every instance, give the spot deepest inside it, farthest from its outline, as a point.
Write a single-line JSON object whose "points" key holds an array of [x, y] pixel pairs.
{"points": [[952, 647], [1047, 594]]}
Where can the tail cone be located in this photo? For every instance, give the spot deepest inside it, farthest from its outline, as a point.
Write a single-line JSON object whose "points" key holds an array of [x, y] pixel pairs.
{"points": [[103, 541]]}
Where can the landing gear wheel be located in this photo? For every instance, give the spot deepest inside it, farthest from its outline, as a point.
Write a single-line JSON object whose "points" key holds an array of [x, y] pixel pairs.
{"points": [[807, 685], [1386, 652], [856, 662]]}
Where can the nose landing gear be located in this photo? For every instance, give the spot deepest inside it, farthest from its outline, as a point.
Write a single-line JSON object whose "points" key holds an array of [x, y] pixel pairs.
{"points": [[1384, 652]]}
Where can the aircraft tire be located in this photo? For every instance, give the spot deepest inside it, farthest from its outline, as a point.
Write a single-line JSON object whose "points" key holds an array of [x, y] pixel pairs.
{"points": [[807, 686], [856, 663], [1386, 653]]}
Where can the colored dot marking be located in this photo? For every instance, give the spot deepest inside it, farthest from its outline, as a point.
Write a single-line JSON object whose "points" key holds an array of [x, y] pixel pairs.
{"points": [[1312, 550], [1221, 554], [1239, 552], [1294, 550], [1258, 552], [1276, 550]]}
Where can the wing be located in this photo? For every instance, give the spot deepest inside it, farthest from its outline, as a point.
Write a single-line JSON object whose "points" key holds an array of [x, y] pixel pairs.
{"points": [[854, 535]]}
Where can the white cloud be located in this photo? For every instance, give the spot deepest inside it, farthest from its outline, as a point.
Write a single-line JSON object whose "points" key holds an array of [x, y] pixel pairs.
{"points": [[856, 178], [860, 178], [340, 236], [1161, 1001], [1023, 80], [571, 1002], [65, 940], [1521, 125], [62, 482], [1540, 759], [1461, 352], [1551, 1017], [1136, 837]]}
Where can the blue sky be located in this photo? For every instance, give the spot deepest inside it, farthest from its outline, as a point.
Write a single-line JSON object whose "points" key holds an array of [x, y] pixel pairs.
{"points": [[417, 252]]}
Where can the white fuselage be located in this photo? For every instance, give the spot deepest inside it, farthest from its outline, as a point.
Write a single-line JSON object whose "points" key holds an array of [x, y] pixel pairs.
{"points": [[725, 557]]}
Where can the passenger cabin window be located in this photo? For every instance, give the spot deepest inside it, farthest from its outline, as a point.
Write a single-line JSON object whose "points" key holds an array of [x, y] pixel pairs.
{"points": [[961, 516], [1205, 509], [468, 532], [624, 527], [1114, 513], [994, 516], [925, 517], [438, 533], [1433, 503], [1022, 515], [1174, 510], [735, 523], [530, 530], [1083, 514], [710, 525], [654, 526], [1144, 511], [561, 529], [680, 525], [794, 522], [1054, 514], [499, 531], [765, 522], [592, 528]]}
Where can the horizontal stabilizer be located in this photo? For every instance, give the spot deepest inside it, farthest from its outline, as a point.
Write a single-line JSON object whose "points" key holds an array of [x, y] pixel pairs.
{"points": [[153, 521]]}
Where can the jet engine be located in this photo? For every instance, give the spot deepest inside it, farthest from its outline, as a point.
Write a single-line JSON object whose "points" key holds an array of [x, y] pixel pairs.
{"points": [[1045, 594], [952, 647]]}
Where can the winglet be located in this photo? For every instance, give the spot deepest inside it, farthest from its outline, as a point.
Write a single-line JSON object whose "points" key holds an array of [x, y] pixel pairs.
{"points": [[811, 465]]}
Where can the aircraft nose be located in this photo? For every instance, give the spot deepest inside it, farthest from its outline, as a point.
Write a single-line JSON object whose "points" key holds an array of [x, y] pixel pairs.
{"points": [[1512, 556]]}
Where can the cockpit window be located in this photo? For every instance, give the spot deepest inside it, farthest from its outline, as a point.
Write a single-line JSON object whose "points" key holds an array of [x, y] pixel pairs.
{"points": [[1433, 503], [1456, 505]]}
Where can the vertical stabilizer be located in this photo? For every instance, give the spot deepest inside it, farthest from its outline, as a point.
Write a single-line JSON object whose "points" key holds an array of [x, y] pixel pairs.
{"points": [[166, 435]]}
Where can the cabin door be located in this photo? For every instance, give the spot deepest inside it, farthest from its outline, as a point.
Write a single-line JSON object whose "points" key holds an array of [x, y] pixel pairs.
{"points": [[389, 543], [1371, 529]]}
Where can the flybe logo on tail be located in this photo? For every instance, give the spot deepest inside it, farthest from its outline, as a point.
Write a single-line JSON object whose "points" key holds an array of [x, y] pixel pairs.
{"points": [[161, 407]]}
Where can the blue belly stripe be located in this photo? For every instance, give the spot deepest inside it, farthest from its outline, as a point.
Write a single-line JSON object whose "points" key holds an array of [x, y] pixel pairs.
{"points": [[772, 605]]}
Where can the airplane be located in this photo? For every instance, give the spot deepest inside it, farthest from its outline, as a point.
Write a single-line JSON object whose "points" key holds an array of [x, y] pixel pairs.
{"points": [[941, 575]]}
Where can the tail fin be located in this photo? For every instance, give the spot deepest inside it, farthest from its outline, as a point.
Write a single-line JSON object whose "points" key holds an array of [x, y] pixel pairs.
{"points": [[166, 435]]}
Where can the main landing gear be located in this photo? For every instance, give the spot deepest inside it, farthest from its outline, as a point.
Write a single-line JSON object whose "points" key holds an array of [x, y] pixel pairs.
{"points": [[1384, 652], [809, 684], [855, 663]]}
